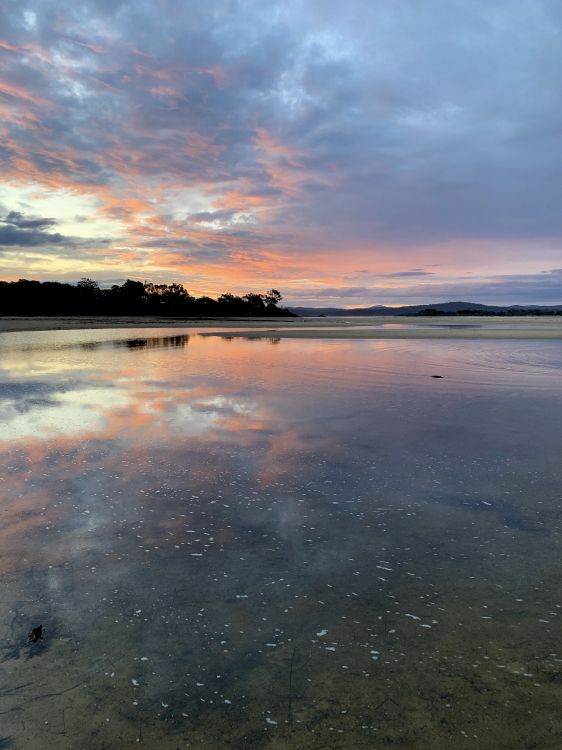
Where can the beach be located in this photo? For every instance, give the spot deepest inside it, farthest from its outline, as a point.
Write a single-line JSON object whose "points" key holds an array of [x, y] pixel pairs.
{"points": [[383, 327]]}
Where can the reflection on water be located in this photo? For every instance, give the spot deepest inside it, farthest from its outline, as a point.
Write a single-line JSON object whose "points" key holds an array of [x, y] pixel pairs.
{"points": [[308, 545], [153, 342], [271, 339]]}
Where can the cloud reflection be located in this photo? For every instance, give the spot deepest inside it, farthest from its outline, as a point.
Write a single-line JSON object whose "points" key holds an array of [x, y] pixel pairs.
{"points": [[96, 439]]}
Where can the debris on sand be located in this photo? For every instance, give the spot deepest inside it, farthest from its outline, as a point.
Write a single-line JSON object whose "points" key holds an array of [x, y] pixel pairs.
{"points": [[36, 634]]}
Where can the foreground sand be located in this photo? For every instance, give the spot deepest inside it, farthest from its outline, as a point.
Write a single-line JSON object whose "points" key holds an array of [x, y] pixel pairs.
{"points": [[387, 327]]}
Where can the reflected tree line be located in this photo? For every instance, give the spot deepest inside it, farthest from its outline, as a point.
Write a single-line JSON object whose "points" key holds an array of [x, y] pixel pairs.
{"points": [[154, 342], [45, 298], [159, 342]]}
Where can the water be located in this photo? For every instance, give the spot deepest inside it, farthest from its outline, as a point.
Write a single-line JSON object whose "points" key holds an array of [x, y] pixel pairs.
{"points": [[279, 544]]}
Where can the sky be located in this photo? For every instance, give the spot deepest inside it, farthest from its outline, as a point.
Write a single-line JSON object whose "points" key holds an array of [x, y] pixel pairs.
{"points": [[346, 153]]}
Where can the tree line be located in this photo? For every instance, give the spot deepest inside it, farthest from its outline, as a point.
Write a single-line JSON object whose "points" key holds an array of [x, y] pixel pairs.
{"points": [[47, 298]]}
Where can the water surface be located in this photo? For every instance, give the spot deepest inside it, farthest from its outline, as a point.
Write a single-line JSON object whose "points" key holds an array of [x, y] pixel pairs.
{"points": [[279, 544]]}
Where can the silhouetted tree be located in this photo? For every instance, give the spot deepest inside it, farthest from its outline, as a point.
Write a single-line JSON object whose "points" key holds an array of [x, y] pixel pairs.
{"points": [[206, 306], [255, 305], [272, 298], [29, 297], [230, 304], [129, 299], [88, 297]]}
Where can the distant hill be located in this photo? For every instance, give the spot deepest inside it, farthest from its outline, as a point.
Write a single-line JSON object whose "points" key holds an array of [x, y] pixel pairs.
{"points": [[440, 308]]}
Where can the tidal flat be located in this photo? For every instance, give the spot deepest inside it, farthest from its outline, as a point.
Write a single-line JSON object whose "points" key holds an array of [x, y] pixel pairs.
{"points": [[239, 542], [380, 326]]}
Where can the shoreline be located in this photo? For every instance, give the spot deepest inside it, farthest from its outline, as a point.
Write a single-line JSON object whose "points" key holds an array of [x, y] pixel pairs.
{"points": [[21, 324], [381, 327]]}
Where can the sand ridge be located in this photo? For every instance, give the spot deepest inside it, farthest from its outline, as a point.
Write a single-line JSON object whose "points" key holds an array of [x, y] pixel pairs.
{"points": [[383, 327]]}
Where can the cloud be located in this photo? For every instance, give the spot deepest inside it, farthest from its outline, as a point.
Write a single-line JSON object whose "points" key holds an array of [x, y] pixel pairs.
{"points": [[406, 274], [25, 241], [507, 289], [18, 231], [17, 219], [532, 288], [321, 129]]}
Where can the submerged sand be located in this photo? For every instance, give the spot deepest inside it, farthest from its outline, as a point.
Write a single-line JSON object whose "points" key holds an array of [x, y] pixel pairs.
{"points": [[259, 549], [383, 327]]}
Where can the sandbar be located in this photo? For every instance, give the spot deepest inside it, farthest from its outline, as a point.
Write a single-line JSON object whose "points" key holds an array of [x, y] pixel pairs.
{"points": [[380, 327]]}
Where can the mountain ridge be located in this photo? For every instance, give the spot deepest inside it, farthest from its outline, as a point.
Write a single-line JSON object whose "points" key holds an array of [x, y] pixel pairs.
{"points": [[438, 308]]}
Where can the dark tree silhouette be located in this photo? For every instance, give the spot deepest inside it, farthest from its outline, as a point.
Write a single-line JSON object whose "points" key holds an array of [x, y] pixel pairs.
{"points": [[49, 298], [272, 298]]}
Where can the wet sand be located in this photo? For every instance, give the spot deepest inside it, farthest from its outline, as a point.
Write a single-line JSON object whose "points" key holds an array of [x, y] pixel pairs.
{"points": [[384, 327]]}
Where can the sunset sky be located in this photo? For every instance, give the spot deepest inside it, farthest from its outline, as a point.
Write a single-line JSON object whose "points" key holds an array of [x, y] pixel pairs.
{"points": [[349, 152]]}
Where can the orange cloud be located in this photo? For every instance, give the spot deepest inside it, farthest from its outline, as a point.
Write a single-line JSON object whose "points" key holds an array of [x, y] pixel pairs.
{"points": [[7, 47], [282, 163], [21, 94]]}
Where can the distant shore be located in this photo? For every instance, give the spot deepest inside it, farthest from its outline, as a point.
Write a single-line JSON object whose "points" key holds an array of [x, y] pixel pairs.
{"points": [[383, 327]]}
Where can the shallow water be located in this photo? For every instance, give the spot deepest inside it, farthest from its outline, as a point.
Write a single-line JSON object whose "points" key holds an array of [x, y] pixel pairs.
{"points": [[279, 544]]}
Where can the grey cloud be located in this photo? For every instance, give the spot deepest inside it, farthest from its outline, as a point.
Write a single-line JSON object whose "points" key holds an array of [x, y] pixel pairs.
{"points": [[18, 231], [224, 217], [12, 236], [17, 219], [540, 288], [340, 292], [399, 274], [508, 289], [25, 234], [403, 123]]}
